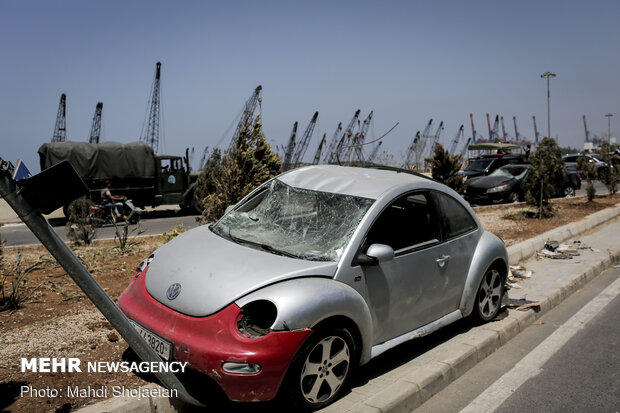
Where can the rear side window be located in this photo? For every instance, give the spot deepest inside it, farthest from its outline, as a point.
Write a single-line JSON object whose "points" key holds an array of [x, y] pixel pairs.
{"points": [[457, 220]]}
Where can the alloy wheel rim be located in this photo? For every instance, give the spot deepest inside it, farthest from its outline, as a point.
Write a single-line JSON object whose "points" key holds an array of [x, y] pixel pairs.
{"points": [[489, 293], [325, 369]]}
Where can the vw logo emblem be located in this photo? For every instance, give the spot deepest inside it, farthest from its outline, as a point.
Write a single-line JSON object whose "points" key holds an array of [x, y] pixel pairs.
{"points": [[173, 291]]}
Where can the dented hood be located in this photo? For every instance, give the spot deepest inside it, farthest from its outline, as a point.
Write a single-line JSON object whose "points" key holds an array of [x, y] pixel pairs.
{"points": [[214, 272]]}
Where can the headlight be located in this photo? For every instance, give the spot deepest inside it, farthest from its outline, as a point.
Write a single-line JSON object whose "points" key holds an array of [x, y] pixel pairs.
{"points": [[497, 189], [144, 263], [257, 318]]}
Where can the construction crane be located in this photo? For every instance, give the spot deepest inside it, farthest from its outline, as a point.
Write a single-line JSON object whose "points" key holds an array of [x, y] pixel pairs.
{"points": [[465, 147], [317, 155], [247, 116], [375, 151], [456, 139], [474, 134], [359, 156], [95, 129], [343, 142], [493, 133], [585, 126], [60, 128], [332, 144], [536, 135], [436, 137], [150, 129], [421, 146], [289, 151], [305, 140], [521, 140], [411, 151]]}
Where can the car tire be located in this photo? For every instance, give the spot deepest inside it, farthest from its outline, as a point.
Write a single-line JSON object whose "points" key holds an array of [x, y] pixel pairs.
{"points": [[513, 198], [322, 369], [489, 295], [569, 192]]}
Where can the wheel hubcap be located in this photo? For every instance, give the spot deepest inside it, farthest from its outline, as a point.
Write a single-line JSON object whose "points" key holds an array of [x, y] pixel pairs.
{"points": [[489, 294], [325, 369]]}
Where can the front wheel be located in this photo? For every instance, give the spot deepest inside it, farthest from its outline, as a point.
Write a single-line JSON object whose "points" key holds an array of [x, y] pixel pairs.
{"points": [[489, 296], [569, 192], [513, 197], [322, 368]]}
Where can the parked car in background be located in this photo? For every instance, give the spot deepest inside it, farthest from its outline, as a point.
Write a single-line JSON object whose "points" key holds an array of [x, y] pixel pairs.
{"points": [[486, 164], [602, 168], [315, 272], [506, 184]]}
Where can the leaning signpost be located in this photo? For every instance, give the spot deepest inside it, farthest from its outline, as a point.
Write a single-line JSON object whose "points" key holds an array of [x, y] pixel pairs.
{"points": [[45, 192]]}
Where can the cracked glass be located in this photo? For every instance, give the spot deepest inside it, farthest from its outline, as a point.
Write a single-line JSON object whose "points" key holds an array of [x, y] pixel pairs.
{"points": [[295, 222]]}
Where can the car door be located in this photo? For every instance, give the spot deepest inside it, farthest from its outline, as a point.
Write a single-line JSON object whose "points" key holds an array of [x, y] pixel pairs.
{"points": [[459, 240], [408, 291]]}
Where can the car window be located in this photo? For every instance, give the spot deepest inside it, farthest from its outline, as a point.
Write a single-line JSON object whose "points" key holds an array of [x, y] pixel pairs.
{"points": [[570, 159], [457, 220], [408, 221], [479, 165]]}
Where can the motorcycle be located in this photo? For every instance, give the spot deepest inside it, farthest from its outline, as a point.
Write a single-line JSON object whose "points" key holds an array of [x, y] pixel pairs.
{"points": [[104, 213]]}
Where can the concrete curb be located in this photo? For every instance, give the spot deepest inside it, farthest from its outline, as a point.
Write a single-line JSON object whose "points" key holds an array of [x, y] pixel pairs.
{"points": [[411, 384]]}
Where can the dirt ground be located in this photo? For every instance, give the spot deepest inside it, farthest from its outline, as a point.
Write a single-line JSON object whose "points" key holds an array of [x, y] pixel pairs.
{"points": [[56, 320]]}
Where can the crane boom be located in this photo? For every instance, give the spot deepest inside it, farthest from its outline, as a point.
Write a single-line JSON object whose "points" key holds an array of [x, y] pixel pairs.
{"points": [[150, 133], [344, 140], [95, 129], [60, 128], [359, 156], [375, 151], [456, 139], [412, 151], [317, 155], [305, 140], [465, 148], [585, 126], [517, 136], [289, 150], [536, 135], [333, 143], [421, 147], [247, 115]]}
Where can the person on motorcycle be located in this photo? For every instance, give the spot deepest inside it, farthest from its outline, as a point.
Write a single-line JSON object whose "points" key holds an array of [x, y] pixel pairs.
{"points": [[111, 201]]}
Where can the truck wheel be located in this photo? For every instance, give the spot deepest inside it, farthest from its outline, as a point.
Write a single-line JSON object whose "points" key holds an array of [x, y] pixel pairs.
{"points": [[196, 205]]}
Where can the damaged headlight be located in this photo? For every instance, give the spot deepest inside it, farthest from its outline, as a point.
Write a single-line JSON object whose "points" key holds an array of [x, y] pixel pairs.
{"points": [[144, 263], [257, 318], [497, 189]]}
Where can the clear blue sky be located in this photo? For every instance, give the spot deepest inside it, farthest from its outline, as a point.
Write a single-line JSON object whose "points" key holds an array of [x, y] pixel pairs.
{"points": [[409, 61]]}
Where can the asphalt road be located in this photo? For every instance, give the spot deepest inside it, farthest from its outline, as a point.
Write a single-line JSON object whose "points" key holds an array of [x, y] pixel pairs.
{"points": [[155, 224], [601, 189], [567, 361]]}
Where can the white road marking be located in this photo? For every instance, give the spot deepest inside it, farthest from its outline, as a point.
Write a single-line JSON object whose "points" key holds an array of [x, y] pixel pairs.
{"points": [[531, 365]]}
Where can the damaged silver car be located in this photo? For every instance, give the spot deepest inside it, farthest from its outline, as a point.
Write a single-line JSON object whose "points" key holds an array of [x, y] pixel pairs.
{"points": [[316, 272]]}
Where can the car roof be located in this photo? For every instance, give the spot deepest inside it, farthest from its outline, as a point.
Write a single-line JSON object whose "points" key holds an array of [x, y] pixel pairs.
{"points": [[348, 180]]}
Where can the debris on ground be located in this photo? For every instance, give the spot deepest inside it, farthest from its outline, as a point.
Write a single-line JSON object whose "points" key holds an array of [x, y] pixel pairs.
{"points": [[514, 272], [547, 253], [522, 304]]}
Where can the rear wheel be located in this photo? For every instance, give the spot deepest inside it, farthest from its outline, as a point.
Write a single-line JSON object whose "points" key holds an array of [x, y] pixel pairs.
{"points": [[513, 197], [322, 368], [489, 296], [569, 192]]}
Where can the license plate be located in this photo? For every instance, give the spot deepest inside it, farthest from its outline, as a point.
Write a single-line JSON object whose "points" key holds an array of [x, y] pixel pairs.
{"points": [[161, 346]]}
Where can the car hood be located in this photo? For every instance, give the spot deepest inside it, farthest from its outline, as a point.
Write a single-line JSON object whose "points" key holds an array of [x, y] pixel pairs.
{"points": [[214, 272], [486, 182]]}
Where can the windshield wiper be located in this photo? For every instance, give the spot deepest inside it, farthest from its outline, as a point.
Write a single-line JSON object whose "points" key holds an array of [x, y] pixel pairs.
{"points": [[264, 247]]}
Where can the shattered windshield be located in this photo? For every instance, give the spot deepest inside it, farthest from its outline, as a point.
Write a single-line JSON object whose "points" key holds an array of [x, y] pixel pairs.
{"points": [[295, 222], [516, 172]]}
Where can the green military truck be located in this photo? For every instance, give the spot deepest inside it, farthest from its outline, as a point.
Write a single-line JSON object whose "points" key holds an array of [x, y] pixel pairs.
{"points": [[133, 169]]}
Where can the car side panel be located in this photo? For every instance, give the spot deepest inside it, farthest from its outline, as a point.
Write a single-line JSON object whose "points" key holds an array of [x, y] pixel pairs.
{"points": [[305, 302], [490, 249]]}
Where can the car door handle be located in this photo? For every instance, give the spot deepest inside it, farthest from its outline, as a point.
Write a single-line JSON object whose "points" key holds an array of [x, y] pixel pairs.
{"points": [[443, 260]]}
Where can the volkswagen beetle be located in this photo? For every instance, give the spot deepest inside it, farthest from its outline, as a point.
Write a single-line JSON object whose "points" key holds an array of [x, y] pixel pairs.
{"points": [[312, 274]]}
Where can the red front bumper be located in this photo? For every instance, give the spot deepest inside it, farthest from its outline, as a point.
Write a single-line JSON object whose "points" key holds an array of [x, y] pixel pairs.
{"points": [[207, 342]]}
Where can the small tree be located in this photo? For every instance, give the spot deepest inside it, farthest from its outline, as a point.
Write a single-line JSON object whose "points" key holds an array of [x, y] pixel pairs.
{"points": [[545, 175], [612, 178], [444, 167], [81, 227], [226, 179], [588, 169]]}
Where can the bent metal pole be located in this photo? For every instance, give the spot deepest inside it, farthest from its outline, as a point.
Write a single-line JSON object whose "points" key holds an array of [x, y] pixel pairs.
{"points": [[61, 252]]}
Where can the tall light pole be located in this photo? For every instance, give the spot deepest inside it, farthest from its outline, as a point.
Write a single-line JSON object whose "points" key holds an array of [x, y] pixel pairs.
{"points": [[608, 116], [548, 75]]}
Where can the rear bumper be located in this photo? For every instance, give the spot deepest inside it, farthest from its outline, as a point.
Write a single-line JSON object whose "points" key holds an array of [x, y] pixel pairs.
{"points": [[207, 342]]}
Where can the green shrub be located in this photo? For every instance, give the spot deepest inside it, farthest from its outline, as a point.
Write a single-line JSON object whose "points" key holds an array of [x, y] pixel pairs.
{"points": [[545, 175], [81, 227], [444, 167]]}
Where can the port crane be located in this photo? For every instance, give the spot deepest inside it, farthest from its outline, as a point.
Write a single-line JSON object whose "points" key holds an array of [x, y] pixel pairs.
{"points": [[346, 137], [60, 128], [150, 129], [95, 129], [456, 139], [304, 141], [247, 116], [317, 155], [332, 144], [289, 150]]}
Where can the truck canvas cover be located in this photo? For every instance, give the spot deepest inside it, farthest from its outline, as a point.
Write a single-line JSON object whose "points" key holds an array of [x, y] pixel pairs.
{"points": [[106, 160]]}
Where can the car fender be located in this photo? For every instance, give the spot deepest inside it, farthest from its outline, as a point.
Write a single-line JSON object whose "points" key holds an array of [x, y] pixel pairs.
{"points": [[489, 250], [306, 302]]}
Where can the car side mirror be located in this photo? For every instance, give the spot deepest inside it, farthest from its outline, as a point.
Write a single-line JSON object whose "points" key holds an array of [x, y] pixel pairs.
{"points": [[376, 254]]}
